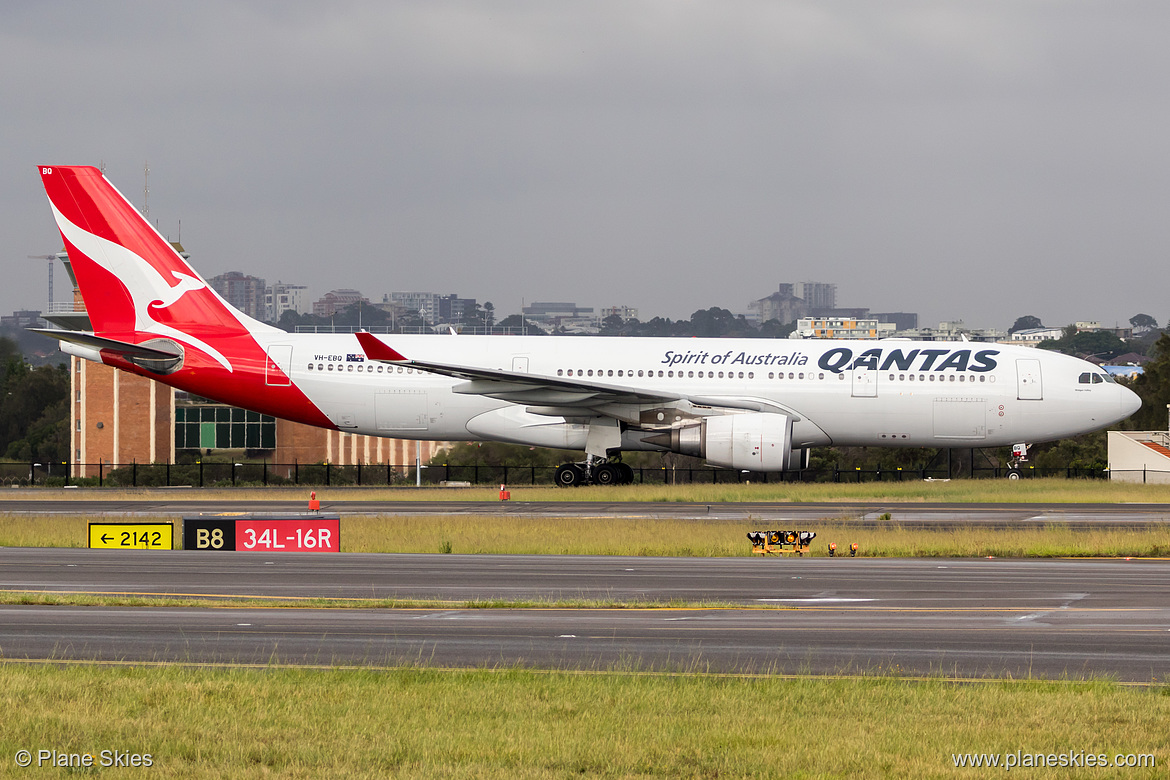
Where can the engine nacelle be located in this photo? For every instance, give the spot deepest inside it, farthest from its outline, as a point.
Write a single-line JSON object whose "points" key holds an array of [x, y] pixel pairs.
{"points": [[753, 441]]}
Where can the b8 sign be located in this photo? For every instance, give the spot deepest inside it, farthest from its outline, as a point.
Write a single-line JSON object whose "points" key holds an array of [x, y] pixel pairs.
{"points": [[251, 533]]}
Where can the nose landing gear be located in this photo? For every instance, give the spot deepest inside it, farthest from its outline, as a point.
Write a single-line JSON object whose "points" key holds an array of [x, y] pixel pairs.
{"points": [[1019, 455]]}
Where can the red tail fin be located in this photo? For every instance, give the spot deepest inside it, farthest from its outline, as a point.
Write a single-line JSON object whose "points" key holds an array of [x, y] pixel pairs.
{"points": [[132, 279]]}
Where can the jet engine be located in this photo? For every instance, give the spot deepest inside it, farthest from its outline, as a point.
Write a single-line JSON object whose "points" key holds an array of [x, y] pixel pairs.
{"points": [[751, 441]]}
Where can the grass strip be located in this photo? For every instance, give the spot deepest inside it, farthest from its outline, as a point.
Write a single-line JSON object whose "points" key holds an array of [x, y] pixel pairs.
{"points": [[1048, 490], [515, 723], [650, 536]]}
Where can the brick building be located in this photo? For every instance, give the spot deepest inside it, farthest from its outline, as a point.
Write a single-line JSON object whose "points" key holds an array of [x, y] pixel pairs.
{"points": [[122, 418], [329, 303]]}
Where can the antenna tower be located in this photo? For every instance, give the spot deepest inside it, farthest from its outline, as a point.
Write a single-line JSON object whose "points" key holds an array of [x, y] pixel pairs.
{"points": [[51, 259], [146, 191]]}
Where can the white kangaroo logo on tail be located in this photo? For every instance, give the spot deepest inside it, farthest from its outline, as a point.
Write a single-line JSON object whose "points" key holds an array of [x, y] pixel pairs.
{"points": [[148, 288], [186, 284]]}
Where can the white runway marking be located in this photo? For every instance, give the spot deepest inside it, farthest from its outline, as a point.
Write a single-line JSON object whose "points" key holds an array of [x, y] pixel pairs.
{"points": [[816, 600]]}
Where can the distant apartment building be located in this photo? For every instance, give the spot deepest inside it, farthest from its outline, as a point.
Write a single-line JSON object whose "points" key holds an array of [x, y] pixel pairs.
{"points": [[782, 306], [818, 295], [329, 303], [1092, 326], [23, 318], [282, 297], [952, 331], [434, 308], [841, 328], [244, 292], [902, 320], [561, 315], [1036, 335], [793, 301], [626, 313]]}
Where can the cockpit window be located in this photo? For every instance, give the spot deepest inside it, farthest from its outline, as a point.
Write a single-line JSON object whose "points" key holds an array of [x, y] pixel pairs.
{"points": [[1109, 378], [1085, 378]]}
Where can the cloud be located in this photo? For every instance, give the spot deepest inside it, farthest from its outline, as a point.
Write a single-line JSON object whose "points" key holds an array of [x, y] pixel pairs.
{"points": [[963, 160]]}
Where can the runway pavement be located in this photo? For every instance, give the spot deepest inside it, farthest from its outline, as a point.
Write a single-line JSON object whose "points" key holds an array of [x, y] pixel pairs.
{"points": [[968, 618]]}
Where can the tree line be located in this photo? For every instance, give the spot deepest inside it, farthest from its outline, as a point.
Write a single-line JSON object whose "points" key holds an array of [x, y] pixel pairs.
{"points": [[34, 408], [1102, 344], [714, 322]]}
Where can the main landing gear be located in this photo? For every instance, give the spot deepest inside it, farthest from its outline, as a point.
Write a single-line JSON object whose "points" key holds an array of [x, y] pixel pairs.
{"points": [[593, 472]]}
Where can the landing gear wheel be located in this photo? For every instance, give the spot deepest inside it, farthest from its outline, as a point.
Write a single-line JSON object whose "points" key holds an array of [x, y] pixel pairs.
{"points": [[1013, 474], [607, 474], [627, 473], [570, 475]]}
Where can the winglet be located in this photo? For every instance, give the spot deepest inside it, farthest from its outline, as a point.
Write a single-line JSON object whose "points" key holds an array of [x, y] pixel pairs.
{"points": [[376, 349]]}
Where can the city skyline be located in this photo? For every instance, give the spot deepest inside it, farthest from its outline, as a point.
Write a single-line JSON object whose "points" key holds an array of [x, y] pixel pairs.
{"points": [[307, 303]]}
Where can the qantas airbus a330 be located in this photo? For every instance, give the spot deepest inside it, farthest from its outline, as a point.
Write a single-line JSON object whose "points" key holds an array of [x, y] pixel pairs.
{"points": [[740, 403]]}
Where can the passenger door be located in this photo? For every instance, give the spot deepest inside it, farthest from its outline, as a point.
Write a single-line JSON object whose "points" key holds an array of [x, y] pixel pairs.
{"points": [[1029, 386], [865, 382], [278, 367]]}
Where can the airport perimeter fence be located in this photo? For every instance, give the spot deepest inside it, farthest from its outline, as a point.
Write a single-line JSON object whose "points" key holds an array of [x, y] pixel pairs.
{"points": [[374, 475]]}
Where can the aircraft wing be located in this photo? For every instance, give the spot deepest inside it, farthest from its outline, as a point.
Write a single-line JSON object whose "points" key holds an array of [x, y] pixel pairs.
{"points": [[559, 394], [518, 386]]}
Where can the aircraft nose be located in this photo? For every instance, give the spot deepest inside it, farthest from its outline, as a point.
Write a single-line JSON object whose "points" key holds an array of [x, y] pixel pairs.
{"points": [[1130, 402]]}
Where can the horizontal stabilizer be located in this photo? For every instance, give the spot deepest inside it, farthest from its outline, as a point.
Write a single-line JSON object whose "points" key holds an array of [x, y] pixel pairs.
{"points": [[158, 356], [123, 348]]}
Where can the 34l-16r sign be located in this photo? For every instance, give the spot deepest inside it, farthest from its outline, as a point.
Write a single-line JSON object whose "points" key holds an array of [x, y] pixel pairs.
{"points": [[262, 533]]}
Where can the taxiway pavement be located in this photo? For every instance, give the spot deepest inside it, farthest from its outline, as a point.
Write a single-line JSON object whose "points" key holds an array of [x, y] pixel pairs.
{"points": [[965, 618]]}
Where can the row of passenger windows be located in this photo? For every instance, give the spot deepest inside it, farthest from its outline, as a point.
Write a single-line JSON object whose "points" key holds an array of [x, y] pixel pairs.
{"points": [[361, 368], [370, 369], [771, 375], [941, 378], [690, 374]]}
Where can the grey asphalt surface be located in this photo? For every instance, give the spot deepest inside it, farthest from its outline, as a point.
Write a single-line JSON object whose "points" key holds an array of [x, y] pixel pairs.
{"points": [[966, 618], [916, 514]]}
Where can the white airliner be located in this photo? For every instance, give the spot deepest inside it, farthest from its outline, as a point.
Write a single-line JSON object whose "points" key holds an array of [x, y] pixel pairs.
{"points": [[755, 404]]}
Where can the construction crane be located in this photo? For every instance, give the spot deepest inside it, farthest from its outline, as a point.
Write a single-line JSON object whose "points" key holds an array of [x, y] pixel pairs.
{"points": [[50, 258]]}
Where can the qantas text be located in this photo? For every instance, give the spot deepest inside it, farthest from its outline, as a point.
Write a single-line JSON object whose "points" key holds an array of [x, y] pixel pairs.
{"points": [[842, 358]]}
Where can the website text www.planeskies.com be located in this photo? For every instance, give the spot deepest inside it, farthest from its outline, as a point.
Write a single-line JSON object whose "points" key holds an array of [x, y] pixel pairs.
{"points": [[1069, 759]]}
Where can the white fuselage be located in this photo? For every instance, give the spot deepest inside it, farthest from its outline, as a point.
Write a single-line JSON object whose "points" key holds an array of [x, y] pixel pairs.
{"points": [[887, 393]]}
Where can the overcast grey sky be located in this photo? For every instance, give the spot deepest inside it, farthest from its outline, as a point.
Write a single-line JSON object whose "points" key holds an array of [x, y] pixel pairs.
{"points": [[973, 160]]}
